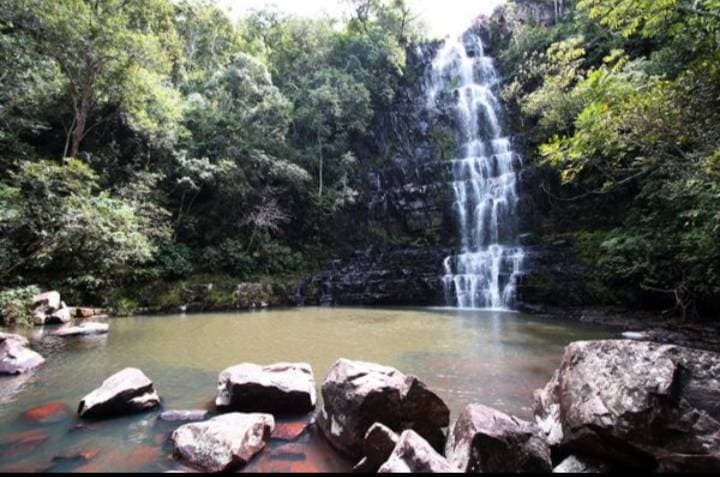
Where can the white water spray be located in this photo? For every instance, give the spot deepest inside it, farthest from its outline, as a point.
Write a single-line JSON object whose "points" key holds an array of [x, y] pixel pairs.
{"points": [[484, 273]]}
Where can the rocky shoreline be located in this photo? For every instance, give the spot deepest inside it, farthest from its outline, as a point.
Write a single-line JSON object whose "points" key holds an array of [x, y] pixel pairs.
{"points": [[612, 405]]}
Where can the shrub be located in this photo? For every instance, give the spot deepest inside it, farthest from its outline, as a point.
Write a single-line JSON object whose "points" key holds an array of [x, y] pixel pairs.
{"points": [[14, 306]]}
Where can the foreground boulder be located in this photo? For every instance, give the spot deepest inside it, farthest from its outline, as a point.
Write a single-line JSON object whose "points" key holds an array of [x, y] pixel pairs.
{"points": [[83, 329], [126, 392], [356, 395], [15, 356], [283, 388], [379, 443], [413, 454], [575, 464], [223, 443], [485, 440], [638, 404]]}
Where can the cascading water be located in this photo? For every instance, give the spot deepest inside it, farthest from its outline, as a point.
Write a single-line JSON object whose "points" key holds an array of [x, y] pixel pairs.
{"points": [[484, 272]]}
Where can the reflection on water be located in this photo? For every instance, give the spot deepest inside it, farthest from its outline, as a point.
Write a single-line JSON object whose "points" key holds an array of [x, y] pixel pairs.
{"points": [[493, 358]]}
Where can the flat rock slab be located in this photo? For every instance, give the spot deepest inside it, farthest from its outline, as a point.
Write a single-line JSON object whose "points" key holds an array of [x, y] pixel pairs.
{"points": [[413, 454], [282, 388], [357, 395], [125, 392], [485, 440], [184, 415], [636, 404], [223, 443], [291, 430], [16, 358], [83, 329]]}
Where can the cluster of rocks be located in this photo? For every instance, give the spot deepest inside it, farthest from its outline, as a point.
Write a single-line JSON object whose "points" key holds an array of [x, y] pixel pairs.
{"points": [[612, 405], [47, 308], [16, 357]]}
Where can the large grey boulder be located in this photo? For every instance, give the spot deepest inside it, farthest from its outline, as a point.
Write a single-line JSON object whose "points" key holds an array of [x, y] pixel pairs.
{"points": [[49, 301], [356, 395], [379, 443], [83, 329], [413, 454], [282, 388], [15, 356], [223, 443], [485, 440], [48, 309], [637, 404], [125, 392]]}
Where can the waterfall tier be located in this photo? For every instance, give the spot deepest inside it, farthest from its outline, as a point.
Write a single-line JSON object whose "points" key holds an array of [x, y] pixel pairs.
{"points": [[483, 274]]}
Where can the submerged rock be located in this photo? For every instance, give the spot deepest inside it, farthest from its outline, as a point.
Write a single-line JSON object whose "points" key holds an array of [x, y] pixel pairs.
{"points": [[83, 329], [223, 443], [125, 392], [485, 440], [291, 430], [282, 388], [377, 447], [21, 443], [638, 404], [357, 395], [184, 416], [413, 454], [48, 413], [16, 357]]}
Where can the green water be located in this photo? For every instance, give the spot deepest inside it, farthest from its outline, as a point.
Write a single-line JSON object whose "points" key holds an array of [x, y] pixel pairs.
{"points": [[494, 358]]}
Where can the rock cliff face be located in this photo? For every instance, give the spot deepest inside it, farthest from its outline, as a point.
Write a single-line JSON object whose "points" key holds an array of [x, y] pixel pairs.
{"points": [[408, 199], [403, 217]]}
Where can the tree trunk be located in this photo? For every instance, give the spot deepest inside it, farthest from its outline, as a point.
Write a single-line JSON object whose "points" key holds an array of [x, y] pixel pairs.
{"points": [[320, 174], [78, 133]]}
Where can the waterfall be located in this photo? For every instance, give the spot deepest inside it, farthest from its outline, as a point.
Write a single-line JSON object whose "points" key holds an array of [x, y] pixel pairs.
{"points": [[483, 274]]}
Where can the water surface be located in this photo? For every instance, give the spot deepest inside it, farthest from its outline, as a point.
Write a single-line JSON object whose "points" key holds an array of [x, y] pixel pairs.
{"points": [[494, 358]]}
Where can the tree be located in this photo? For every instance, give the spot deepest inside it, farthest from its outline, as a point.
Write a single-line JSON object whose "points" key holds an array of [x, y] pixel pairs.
{"points": [[105, 52], [332, 107], [55, 219]]}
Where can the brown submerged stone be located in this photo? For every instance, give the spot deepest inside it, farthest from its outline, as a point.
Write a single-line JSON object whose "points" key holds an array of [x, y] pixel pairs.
{"points": [[48, 413]]}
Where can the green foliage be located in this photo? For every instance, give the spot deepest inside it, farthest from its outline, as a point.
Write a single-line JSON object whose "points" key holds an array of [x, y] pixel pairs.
{"points": [[125, 307], [15, 306], [636, 127], [154, 140], [56, 220]]}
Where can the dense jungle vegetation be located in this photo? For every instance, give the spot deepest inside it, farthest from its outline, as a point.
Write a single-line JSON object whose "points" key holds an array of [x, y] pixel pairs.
{"points": [[145, 141], [622, 99], [148, 141]]}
